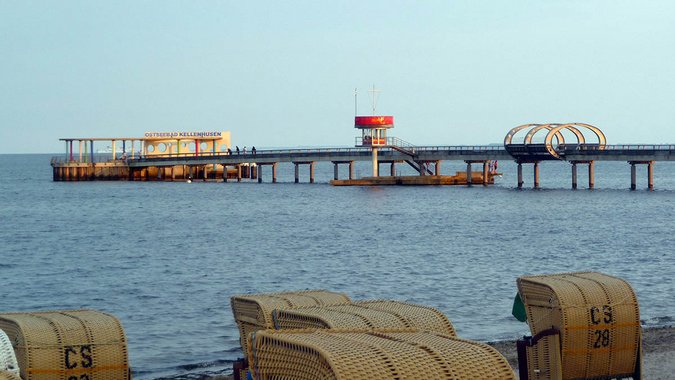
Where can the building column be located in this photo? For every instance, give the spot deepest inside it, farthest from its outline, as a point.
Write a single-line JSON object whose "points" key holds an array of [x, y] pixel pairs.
{"points": [[71, 150], [485, 173], [81, 150], [536, 175], [351, 169], [591, 174], [297, 172], [437, 168], [274, 172], [633, 176], [520, 175], [336, 175], [376, 165], [311, 172], [114, 148], [650, 175], [574, 175], [91, 150], [469, 174]]}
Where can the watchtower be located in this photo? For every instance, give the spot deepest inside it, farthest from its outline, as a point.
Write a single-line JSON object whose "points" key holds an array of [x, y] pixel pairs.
{"points": [[373, 134]]}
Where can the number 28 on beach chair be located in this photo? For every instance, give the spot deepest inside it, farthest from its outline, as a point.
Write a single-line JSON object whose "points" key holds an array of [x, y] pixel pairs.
{"points": [[585, 325]]}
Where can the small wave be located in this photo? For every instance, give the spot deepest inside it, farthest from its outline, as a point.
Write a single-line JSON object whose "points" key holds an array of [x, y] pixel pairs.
{"points": [[657, 321]]}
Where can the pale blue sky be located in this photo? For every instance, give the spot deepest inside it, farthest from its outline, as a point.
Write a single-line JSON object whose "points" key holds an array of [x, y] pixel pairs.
{"points": [[282, 73]]}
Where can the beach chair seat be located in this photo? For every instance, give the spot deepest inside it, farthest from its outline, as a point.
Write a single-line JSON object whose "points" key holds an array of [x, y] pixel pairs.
{"points": [[384, 354], [7, 375], [585, 325], [8, 363]]}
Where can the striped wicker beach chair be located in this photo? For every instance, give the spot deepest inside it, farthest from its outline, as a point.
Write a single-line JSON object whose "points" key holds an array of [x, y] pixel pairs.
{"points": [[374, 355], [82, 344], [365, 315], [585, 325], [253, 312]]}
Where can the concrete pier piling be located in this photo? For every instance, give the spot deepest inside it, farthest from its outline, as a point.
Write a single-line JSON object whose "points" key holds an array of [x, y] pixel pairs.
{"points": [[520, 175], [574, 175], [536, 175], [469, 174], [591, 175]]}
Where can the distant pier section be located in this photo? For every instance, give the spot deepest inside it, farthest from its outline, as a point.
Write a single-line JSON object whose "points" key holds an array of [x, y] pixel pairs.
{"points": [[188, 156]]}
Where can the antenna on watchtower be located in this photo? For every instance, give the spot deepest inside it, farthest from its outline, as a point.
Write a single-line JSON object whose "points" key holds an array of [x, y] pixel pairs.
{"points": [[374, 91], [356, 109]]}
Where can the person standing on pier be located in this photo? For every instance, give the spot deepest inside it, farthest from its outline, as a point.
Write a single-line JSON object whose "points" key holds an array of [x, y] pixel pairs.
{"points": [[237, 149], [253, 149], [244, 149]]}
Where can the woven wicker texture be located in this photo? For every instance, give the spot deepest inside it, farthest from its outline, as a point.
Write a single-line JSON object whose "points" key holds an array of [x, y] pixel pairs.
{"points": [[392, 354], [6, 375], [8, 361], [363, 316], [598, 318], [543, 359], [253, 312], [68, 344]]}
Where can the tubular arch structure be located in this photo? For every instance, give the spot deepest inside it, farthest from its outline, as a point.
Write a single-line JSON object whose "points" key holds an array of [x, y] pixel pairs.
{"points": [[602, 141]]}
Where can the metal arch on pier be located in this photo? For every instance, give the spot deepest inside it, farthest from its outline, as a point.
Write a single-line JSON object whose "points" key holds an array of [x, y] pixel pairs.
{"points": [[602, 141], [535, 152]]}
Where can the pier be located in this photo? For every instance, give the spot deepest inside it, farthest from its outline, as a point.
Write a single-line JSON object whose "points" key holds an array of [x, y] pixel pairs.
{"points": [[180, 156]]}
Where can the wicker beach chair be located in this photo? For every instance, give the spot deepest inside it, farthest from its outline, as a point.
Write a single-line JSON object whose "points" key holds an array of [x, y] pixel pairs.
{"points": [[68, 344], [374, 355], [253, 312], [7, 375], [585, 325], [365, 315]]}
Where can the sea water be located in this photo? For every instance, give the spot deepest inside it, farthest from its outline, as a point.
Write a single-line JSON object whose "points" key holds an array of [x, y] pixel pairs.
{"points": [[166, 257]]}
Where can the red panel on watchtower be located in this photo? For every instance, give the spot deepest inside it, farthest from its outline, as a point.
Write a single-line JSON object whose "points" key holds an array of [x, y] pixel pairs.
{"points": [[375, 121]]}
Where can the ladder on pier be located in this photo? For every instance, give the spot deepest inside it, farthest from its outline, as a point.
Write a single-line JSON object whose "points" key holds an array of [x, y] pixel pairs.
{"points": [[408, 149]]}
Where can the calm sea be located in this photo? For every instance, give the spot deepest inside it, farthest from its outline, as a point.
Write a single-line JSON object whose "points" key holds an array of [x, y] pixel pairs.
{"points": [[166, 257]]}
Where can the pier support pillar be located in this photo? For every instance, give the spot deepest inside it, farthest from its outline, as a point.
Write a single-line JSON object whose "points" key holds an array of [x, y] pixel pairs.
{"points": [[633, 176], [336, 172], [274, 172], [520, 175], [536, 175], [376, 165], [311, 172], [469, 174], [351, 169], [297, 173], [259, 173], [650, 175], [392, 169], [206, 174], [224, 173], [437, 168], [485, 173], [238, 172], [173, 173], [591, 174], [574, 175]]}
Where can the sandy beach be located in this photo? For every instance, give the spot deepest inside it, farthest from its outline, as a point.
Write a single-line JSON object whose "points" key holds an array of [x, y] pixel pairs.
{"points": [[658, 351]]}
